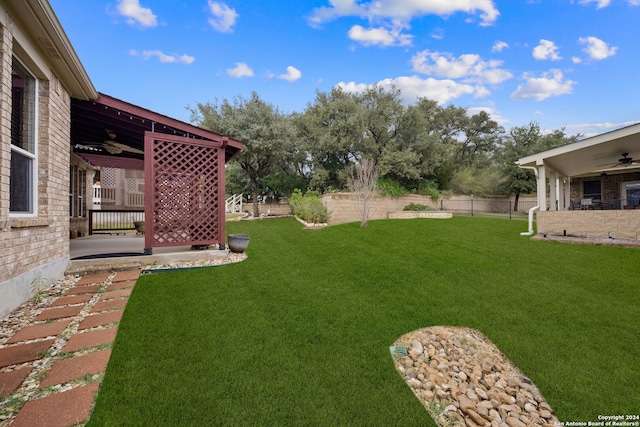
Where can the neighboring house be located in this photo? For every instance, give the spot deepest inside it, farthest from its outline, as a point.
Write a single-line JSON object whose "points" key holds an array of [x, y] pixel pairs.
{"points": [[48, 106], [590, 188]]}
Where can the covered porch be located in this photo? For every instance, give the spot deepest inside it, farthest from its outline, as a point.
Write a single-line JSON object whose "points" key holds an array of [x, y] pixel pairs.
{"points": [[172, 170], [590, 188]]}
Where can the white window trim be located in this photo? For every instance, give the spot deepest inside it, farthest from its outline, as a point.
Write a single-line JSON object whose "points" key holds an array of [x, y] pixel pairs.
{"points": [[33, 156]]}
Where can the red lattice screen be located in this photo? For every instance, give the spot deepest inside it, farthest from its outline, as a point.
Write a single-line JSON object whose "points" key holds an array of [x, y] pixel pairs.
{"points": [[184, 200]]}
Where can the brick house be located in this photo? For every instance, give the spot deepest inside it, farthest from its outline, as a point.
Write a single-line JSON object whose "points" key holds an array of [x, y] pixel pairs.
{"points": [[590, 188], [49, 105]]}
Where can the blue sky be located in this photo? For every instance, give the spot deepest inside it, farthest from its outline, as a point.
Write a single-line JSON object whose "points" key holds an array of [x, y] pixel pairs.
{"points": [[562, 63]]}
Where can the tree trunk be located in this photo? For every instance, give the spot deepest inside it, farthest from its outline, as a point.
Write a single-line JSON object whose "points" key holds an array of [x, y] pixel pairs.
{"points": [[254, 197], [515, 203]]}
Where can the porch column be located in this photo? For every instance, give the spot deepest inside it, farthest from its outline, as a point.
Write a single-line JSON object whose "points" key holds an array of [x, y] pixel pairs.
{"points": [[553, 193], [542, 185], [562, 193]]}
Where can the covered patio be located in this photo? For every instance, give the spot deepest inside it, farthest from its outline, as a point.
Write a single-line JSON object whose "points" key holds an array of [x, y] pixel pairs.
{"points": [[184, 169], [590, 188]]}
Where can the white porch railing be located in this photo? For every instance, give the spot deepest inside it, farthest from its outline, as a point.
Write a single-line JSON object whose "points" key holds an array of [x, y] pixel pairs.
{"points": [[233, 204]]}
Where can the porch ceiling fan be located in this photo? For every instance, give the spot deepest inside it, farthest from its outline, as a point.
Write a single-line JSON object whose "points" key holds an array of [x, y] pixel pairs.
{"points": [[111, 146], [624, 161]]}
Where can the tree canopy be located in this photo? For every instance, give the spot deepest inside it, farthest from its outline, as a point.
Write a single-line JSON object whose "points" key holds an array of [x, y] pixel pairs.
{"points": [[419, 146]]}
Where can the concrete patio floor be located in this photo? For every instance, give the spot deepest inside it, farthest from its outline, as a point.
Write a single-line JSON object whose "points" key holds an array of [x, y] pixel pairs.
{"points": [[132, 248]]}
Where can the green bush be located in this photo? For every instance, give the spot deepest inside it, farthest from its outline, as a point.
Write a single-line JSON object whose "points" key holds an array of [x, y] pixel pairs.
{"points": [[429, 188], [389, 187], [417, 207], [308, 207]]}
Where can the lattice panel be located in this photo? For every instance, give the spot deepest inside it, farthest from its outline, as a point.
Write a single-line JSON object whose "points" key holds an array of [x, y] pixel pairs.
{"points": [[186, 198], [108, 177]]}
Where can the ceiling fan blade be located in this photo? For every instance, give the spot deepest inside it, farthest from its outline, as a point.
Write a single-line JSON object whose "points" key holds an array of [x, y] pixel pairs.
{"points": [[126, 147]]}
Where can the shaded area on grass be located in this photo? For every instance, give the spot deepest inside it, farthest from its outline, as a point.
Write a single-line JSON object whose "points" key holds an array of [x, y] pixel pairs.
{"points": [[298, 334]]}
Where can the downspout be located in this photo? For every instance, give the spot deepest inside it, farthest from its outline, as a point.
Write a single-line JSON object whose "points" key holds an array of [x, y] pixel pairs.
{"points": [[530, 232]]}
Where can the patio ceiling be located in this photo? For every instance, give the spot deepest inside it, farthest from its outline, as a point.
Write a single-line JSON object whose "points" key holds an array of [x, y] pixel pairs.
{"points": [[111, 127], [592, 156]]}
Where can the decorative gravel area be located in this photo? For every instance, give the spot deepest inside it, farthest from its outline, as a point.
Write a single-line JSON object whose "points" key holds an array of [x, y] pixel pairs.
{"points": [[463, 379]]}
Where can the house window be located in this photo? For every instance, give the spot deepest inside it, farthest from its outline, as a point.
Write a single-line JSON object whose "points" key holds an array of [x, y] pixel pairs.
{"points": [[23, 181], [77, 186], [592, 190], [631, 194]]}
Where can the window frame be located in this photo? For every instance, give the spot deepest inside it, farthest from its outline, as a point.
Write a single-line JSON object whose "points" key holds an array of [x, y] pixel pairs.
{"points": [[31, 156]]}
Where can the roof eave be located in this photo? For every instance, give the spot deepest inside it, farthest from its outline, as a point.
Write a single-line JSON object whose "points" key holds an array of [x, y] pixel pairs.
{"points": [[40, 21]]}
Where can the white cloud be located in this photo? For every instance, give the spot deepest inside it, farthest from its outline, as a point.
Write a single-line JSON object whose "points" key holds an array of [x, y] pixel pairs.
{"points": [[379, 36], [396, 15], [136, 13], [546, 50], [634, 2], [163, 57], [551, 83], [223, 18], [499, 46], [291, 75], [404, 9], [469, 67], [576, 60], [414, 87], [596, 48], [600, 3], [495, 114], [241, 70]]}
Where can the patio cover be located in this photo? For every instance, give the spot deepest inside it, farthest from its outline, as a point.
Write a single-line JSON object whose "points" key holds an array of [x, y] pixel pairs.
{"points": [[94, 122], [587, 157]]}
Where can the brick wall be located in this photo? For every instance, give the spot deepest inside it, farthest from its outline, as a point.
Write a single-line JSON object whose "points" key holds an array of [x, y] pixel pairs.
{"points": [[610, 185], [619, 224], [34, 247]]}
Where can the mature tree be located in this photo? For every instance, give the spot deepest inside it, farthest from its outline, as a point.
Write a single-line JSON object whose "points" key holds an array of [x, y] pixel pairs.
{"points": [[265, 132], [331, 130], [520, 142]]}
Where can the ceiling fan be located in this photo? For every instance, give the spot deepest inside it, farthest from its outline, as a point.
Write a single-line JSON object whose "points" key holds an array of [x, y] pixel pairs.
{"points": [[624, 161], [111, 146]]}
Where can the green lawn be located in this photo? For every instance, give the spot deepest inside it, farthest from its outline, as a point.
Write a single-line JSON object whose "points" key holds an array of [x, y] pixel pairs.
{"points": [[298, 334]]}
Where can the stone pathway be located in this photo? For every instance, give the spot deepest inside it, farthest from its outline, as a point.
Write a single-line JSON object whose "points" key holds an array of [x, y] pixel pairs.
{"points": [[55, 348]]}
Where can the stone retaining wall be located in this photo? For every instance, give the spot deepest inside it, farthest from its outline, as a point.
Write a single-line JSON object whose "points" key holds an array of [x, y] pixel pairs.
{"points": [[420, 214], [343, 207], [623, 224]]}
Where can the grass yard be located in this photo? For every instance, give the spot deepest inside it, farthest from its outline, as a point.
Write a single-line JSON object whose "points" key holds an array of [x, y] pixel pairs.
{"points": [[298, 334]]}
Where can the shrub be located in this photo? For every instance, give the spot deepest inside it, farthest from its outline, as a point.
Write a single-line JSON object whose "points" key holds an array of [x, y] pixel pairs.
{"points": [[417, 207], [389, 187], [308, 207]]}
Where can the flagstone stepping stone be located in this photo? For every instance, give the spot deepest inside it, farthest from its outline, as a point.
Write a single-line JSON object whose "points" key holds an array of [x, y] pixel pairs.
{"points": [[90, 339], [67, 370], [59, 313], [39, 331], [80, 290], [109, 304], [101, 319], [115, 294], [58, 410], [121, 285], [123, 276], [93, 278], [73, 299], [23, 352], [10, 381]]}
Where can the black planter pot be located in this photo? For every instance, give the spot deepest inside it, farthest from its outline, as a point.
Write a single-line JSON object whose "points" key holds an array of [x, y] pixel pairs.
{"points": [[238, 242]]}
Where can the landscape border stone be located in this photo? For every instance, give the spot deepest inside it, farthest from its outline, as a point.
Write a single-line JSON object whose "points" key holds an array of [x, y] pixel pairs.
{"points": [[462, 378]]}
